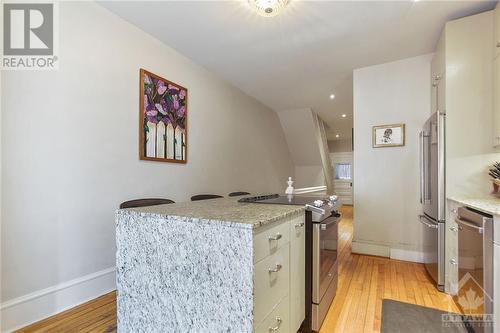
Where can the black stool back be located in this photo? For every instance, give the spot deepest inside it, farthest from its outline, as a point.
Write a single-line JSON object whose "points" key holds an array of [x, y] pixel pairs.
{"points": [[145, 202], [237, 194], [205, 197]]}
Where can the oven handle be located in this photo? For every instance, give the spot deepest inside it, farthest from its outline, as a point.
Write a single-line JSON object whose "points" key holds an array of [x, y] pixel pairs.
{"points": [[315, 209], [323, 226]]}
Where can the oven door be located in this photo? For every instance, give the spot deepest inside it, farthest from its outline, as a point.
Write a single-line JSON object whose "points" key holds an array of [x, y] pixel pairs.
{"points": [[324, 255]]}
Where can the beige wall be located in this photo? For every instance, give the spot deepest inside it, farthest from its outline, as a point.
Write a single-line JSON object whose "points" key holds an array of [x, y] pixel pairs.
{"points": [[340, 146], [70, 148], [386, 190], [299, 128]]}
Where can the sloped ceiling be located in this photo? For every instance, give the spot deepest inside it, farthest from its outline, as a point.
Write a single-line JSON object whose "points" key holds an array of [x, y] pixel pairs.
{"points": [[296, 60]]}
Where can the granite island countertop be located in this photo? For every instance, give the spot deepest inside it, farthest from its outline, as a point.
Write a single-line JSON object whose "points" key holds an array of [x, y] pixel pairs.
{"points": [[486, 204], [221, 210], [189, 266]]}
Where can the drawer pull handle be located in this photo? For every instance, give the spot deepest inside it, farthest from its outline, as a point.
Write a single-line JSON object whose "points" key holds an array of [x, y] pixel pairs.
{"points": [[277, 268], [277, 327], [275, 238], [299, 225]]}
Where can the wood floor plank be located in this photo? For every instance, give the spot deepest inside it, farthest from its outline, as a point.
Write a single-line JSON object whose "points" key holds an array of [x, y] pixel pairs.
{"points": [[364, 281]]}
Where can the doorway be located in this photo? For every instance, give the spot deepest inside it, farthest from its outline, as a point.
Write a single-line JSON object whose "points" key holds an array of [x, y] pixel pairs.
{"points": [[343, 182]]}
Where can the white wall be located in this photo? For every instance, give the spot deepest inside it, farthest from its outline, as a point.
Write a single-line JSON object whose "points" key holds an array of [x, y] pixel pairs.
{"points": [[340, 145], [386, 196], [300, 133], [70, 155]]}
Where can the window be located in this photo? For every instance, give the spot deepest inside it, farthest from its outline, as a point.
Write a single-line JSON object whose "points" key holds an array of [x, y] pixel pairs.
{"points": [[343, 171]]}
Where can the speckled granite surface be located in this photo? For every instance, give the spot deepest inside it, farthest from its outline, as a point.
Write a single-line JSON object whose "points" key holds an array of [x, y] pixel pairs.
{"points": [[176, 276], [490, 205], [245, 215], [188, 267]]}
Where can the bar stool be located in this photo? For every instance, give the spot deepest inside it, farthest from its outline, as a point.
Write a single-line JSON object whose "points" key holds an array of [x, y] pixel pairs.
{"points": [[199, 197], [145, 202]]}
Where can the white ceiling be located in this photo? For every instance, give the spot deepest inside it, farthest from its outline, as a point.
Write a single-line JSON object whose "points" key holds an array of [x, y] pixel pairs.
{"points": [[296, 60]]}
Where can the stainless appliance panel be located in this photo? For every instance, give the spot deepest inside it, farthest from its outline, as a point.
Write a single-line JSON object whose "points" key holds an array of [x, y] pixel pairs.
{"points": [[475, 260], [434, 236], [432, 167], [324, 256], [319, 311]]}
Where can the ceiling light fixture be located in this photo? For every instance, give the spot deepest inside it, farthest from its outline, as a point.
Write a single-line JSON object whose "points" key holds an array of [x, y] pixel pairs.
{"points": [[268, 8], [332, 96], [344, 115], [337, 136]]}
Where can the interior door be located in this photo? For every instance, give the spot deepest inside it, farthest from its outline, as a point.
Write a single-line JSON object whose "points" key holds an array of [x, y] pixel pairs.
{"points": [[343, 181]]}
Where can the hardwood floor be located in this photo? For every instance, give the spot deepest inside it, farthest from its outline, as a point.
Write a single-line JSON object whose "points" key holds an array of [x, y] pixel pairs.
{"points": [[363, 282]]}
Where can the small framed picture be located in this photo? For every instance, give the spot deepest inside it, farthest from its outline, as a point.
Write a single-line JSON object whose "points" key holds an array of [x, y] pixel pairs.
{"points": [[389, 135]]}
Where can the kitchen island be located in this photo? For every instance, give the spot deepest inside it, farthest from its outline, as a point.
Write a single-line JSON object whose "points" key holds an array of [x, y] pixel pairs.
{"points": [[210, 266]]}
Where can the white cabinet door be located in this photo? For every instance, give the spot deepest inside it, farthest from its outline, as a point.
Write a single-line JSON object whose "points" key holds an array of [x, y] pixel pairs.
{"points": [[496, 32], [496, 102], [496, 286], [297, 273]]}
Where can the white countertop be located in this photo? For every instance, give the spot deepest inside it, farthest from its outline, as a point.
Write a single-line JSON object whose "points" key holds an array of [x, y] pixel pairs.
{"points": [[487, 204]]}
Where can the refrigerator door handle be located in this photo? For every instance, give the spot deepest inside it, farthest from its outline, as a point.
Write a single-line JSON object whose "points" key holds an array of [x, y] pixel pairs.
{"points": [[422, 176]]}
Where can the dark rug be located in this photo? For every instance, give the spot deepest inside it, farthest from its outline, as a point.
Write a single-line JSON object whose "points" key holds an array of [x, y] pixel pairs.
{"points": [[400, 317]]}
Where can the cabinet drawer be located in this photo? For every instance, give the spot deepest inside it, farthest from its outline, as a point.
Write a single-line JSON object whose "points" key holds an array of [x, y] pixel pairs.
{"points": [[270, 287], [277, 319], [270, 239]]}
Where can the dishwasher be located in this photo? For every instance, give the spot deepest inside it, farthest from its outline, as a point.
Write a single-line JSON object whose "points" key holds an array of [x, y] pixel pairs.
{"points": [[475, 264]]}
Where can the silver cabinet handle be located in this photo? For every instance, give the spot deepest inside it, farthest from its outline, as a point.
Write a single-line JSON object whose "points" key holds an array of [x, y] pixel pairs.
{"points": [[276, 237], [454, 229], [276, 268], [277, 327], [468, 224], [425, 221], [299, 225], [453, 261]]}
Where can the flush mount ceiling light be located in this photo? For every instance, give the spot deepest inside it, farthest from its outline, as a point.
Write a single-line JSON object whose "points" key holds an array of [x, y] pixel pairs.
{"points": [[332, 96], [268, 8], [337, 136], [344, 115]]}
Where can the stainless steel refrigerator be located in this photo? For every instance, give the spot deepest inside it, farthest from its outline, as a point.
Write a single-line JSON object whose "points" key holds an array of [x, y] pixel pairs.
{"points": [[432, 195]]}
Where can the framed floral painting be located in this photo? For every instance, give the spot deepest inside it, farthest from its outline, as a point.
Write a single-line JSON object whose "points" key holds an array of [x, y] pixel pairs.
{"points": [[163, 119]]}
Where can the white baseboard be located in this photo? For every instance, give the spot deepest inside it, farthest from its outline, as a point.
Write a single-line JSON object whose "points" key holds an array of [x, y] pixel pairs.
{"points": [[407, 255], [370, 249], [27, 309]]}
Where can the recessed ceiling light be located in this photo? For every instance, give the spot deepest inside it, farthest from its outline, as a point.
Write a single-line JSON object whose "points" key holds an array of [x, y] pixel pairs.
{"points": [[332, 96], [268, 8], [344, 115], [337, 135]]}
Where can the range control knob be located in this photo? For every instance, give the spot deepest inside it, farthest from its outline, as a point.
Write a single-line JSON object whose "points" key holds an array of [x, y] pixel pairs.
{"points": [[318, 203]]}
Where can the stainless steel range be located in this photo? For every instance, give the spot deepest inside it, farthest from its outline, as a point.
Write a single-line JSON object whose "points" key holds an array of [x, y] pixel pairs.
{"points": [[322, 219]]}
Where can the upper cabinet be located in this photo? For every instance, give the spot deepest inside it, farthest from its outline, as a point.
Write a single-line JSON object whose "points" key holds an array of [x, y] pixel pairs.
{"points": [[496, 78], [496, 33]]}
